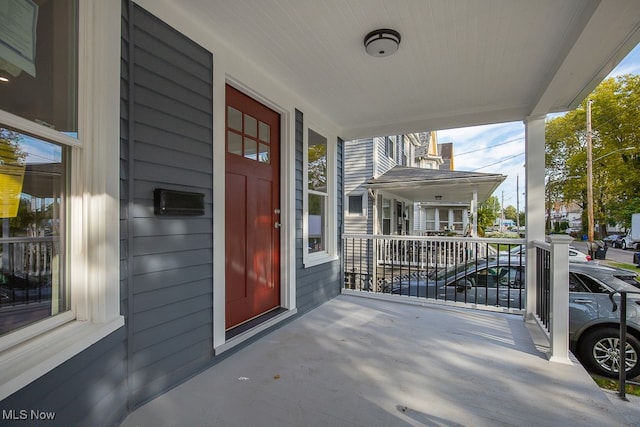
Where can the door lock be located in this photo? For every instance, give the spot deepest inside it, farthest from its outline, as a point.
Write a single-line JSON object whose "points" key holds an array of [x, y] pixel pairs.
{"points": [[277, 224]]}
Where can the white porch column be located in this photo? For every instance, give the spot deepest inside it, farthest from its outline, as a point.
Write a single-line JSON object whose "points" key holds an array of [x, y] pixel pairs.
{"points": [[559, 322], [534, 199]]}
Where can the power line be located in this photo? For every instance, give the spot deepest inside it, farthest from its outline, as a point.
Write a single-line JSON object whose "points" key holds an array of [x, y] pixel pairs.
{"points": [[499, 161], [490, 147]]}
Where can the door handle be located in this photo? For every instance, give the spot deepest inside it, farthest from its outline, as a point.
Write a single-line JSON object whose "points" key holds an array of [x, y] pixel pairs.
{"points": [[277, 224]]}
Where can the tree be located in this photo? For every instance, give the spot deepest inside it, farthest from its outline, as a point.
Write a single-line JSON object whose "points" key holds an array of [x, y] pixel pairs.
{"points": [[12, 166], [511, 213], [615, 118], [487, 213]]}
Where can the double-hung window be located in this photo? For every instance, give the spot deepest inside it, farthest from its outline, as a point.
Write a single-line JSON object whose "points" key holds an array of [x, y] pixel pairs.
{"points": [[390, 146], [57, 186], [319, 204], [38, 83], [356, 205]]}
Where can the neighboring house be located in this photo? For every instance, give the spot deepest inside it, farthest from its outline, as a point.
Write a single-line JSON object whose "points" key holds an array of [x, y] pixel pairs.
{"points": [[569, 213], [396, 185], [173, 171], [373, 157]]}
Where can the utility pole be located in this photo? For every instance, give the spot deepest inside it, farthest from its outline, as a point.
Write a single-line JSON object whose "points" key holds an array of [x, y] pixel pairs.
{"points": [[589, 177], [518, 202], [502, 212]]}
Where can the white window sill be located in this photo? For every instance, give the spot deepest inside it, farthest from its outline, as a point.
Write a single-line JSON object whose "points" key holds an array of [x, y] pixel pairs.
{"points": [[24, 363], [311, 261]]}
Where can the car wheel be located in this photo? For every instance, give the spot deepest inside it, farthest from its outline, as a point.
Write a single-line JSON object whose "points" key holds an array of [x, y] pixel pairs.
{"points": [[599, 352], [623, 245]]}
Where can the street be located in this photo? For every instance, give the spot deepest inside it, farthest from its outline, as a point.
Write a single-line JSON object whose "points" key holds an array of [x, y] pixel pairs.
{"points": [[612, 254]]}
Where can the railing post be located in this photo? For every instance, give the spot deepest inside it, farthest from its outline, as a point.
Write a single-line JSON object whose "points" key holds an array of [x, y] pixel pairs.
{"points": [[559, 328], [374, 265]]}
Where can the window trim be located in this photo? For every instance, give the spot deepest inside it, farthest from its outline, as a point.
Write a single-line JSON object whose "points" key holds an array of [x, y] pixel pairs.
{"points": [[347, 204], [93, 210], [330, 253], [390, 147]]}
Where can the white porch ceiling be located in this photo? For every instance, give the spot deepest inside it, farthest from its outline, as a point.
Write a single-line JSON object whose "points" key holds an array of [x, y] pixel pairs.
{"points": [[460, 62]]}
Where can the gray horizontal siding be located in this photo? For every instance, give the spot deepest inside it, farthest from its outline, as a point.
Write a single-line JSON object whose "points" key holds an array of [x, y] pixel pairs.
{"points": [[169, 259], [358, 158], [358, 155], [87, 390]]}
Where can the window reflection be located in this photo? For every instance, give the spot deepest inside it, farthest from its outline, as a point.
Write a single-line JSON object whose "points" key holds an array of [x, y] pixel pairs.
{"points": [[33, 182], [39, 82]]}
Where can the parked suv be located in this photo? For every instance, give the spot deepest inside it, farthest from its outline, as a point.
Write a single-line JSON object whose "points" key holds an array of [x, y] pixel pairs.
{"points": [[593, 325]]}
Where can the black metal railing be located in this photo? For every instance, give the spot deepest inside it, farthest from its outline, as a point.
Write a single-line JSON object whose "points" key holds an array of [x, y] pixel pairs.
{"points": [[543, 296], [483, 272]]}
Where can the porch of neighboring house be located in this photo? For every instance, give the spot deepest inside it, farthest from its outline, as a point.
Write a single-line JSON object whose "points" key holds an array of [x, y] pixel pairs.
{"points": [[369, 362]]}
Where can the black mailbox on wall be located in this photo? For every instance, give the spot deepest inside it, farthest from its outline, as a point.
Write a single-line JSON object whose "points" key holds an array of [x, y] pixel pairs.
{"points": [[177, 203]]}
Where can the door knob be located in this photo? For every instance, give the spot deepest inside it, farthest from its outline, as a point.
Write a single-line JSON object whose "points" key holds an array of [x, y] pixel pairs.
{"points": [[277, 224]]}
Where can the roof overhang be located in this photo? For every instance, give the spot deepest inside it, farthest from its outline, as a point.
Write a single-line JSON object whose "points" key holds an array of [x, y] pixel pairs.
{"points": [[434, 186]]}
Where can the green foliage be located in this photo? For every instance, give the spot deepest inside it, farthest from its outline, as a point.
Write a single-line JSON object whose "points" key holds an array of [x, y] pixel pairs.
{"points": [[511, 213], [615, 118], [487, 213], [317, 167]]}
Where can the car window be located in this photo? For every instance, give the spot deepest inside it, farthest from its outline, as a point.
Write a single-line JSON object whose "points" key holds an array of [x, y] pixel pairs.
{"points": [[583, 283], [575, 285], [632, 280], [515, 278], [487, 277]]}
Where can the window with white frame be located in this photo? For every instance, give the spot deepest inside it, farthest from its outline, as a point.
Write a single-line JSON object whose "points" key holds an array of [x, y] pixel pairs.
{"points": [[390, 146], [430, 214], [57, 187], [356, 205], [386, 216], [41, 86], [319, 199]]}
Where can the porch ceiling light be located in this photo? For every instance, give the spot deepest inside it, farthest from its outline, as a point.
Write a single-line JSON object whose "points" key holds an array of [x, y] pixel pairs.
{"points": [[381, 43], [438, 197]]}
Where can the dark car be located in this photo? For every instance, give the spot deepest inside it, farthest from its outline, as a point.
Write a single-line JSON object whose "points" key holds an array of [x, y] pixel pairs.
{"points": [[488, 282], [611, 240], [16, 288], [593, 325]]}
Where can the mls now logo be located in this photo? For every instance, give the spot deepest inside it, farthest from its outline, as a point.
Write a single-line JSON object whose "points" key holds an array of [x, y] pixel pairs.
{"points": [[24, 414]]}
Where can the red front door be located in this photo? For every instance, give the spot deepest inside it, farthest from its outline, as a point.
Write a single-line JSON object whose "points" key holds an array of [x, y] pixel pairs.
{"points": [[252, 208]]}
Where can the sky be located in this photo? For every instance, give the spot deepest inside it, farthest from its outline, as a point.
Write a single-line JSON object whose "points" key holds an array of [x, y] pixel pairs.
{"points": [[499, 148]]}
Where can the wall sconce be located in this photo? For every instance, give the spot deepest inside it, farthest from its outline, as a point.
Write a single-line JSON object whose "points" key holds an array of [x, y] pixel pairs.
{"points": [[380, 43]]}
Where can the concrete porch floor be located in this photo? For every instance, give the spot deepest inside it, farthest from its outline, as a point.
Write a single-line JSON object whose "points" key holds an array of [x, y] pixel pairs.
{"points": [[362, 362]]}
